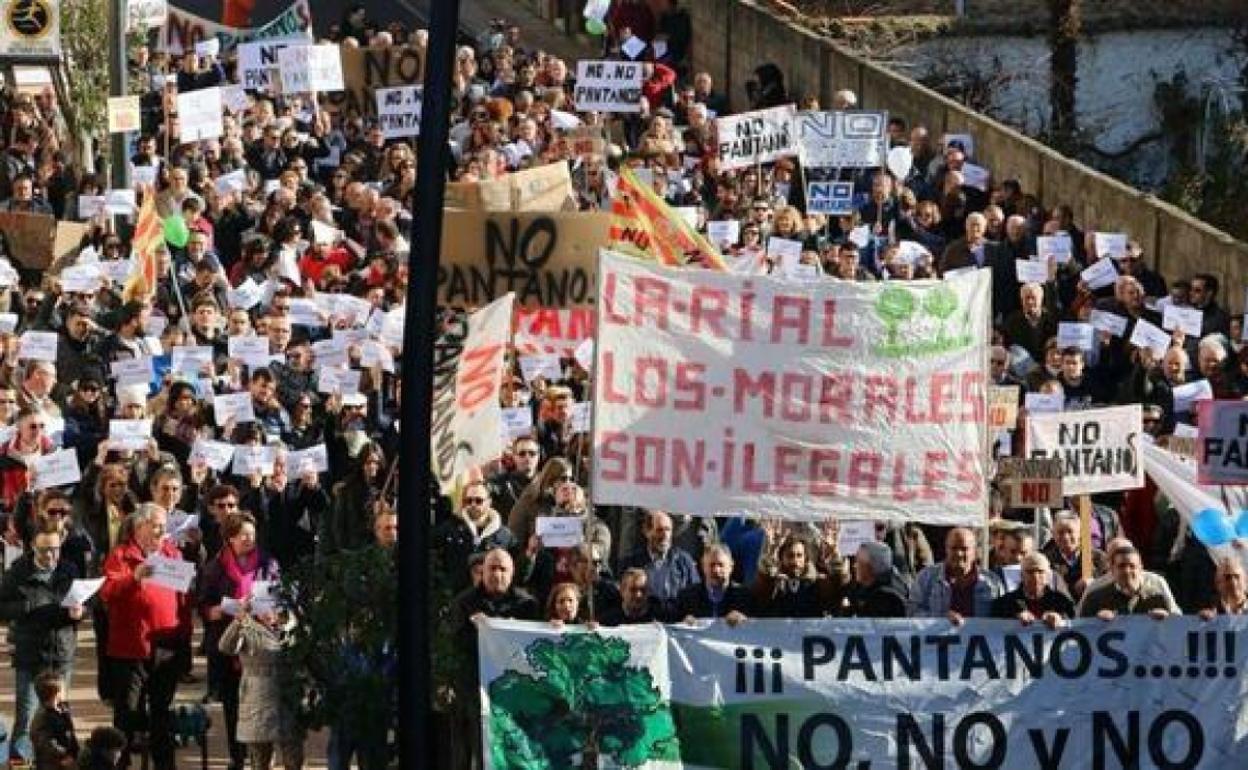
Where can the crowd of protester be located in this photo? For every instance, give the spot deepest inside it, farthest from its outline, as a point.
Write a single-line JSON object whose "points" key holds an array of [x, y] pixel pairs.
{"points": [[334, 302]]}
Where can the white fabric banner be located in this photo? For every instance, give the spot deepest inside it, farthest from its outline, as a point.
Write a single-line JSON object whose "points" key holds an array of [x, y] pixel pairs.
{"points": [[183, 30], [467, 374], [869, 694], [761, 136], [1215, 514], [718, 392], [608, 86], [1099, 448]]}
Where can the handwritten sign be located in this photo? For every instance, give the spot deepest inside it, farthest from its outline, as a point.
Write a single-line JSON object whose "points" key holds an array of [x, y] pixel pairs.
{"points": [[1097, 448], [762, 136], [608, 86]]}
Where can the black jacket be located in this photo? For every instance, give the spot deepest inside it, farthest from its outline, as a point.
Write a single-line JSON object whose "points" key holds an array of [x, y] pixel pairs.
{"points": [[694, 601], [1011, 604], [884, 598], [40, 630]]}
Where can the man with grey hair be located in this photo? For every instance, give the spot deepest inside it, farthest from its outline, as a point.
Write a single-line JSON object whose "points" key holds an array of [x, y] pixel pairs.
{"points": [[877, 591], [717, 596], [971, 250], [1035, 598]]}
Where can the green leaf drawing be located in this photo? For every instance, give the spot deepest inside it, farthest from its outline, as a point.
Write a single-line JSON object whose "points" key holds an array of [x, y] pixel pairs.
{"points": [[895, 306]]}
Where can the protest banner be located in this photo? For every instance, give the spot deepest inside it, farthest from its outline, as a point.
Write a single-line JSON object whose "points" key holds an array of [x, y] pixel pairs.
{"points": [[123, 114], [1222, 442], [542, 188], [608, 86], [643, 225], [258, 62], [1097, 447], [146, 13], [558, 330], [31, 30], [364, 70], [1217, 515], [1003, 406], [184, 29], [761, 136], [1028, 483], [30, 237], [718, 392], [584, 141], [546, 259], [848, 139], [199, 115], [834, 198], [310, 68], [398, 111], [467, 373], [868, 693]]}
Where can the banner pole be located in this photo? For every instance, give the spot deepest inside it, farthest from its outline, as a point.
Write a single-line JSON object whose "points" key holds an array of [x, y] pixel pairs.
{"points": [[1085, 537]]}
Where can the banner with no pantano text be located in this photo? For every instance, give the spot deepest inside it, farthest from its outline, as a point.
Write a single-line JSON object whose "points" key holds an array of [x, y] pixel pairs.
{"points": [[718, 392], [398, 110], [183, 29], [1099, 448], [468, 364], [1222, 445], [867, 694], [847, 139], [608, 86], [761, 136]]}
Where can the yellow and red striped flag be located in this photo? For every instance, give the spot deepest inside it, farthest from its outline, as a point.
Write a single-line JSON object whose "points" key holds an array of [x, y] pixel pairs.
{"points": [[642, 224], [149, 234]]}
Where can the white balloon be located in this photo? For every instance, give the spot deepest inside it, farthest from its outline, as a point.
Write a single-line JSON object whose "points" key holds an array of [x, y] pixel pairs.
{"points": [[900, 159]]}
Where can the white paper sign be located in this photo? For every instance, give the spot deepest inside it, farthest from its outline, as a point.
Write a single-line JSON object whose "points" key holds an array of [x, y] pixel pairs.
{"points": [[1147, 335], [1100, 274], [608, 86], [233, 182], [251, 459], [199, 115], [581, 416], [1043, 403], [81, 591], [517, 421], [762, 136], [975, 176], [1187, 394], [1097, 447], [174, 574], [122, 203], [233, 406], [132, 371], [723, 233], [1105, 321], [1057, 246], [307, 68], [1076, 335], [398, 110], [38, 346], [190, 358], [81, 279], [852, 534], [561, 531], [130, 434], [57, 469], [246, 296], [1189, 319], [1110, 245], [215, 454], [332, 379], [1031, 271], [787, 253], [250, 349], [258, 62], [845, 139], [316, 458], [545, 366]]}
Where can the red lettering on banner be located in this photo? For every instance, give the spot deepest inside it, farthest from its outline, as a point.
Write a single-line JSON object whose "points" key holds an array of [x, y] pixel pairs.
{"points": [[686, 463], [650, 298], [708, 306], [796, 391], [748, 481], [610, 393], [649, 472], [881, 395], [790, 312], [544, 323], [690, 389], [786, 473], [901, 489], [747, 313], [612, 464], [913, 416], [941, 394], [835, 393], [743, 387], [934, 474], [477, 371], [864, 473], [970, 477], [580, 324], [830, 340], [825, 471], [645, 367], [608, 302], [973, 397]]}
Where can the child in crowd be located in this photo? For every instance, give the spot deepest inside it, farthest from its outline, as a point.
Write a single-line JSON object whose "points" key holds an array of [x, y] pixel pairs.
{"points": [[52, 731]]}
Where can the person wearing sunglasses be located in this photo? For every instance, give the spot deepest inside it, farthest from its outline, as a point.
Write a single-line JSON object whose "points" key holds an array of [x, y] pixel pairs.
{"points": [[477, 527], [507, 485], [29, 442]]}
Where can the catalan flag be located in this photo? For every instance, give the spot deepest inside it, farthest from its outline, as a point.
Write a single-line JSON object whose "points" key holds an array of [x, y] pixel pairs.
{"points": [[642, 224], [149, 235]]}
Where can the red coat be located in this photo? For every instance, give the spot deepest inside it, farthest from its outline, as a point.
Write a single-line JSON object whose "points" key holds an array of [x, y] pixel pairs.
{"points": [[140, 614]]}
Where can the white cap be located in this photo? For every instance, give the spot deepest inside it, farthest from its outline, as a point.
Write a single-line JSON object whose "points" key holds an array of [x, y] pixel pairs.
{"points": [[354, 399]]}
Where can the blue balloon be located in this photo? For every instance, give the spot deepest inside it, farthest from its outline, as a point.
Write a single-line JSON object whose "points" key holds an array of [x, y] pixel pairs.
{"points": [[1212, 527], [1241, 524]]}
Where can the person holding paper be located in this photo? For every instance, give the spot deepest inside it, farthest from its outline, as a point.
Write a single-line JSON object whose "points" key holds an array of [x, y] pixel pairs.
{"points": [[1203, 294], [129, 340], [43, 634], [177, 428], [1035, 598], [18, 455], [149, 633], [1034, 323], [476, 528], [230, 576], [77, 355]]}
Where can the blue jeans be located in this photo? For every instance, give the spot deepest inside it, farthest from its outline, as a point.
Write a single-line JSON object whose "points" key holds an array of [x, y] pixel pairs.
{"points": [[27, 704]]}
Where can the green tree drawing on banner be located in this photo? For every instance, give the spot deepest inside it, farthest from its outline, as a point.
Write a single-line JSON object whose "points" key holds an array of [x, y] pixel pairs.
{"points": [[895, 306], [941, 303], [585, 702]]}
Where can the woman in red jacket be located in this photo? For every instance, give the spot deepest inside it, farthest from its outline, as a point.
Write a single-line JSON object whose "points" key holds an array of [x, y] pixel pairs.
{"points": [[149, 631]]}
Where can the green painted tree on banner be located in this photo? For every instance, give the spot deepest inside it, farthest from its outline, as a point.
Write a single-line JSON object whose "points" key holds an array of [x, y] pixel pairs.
{"points": [[585, 702]]}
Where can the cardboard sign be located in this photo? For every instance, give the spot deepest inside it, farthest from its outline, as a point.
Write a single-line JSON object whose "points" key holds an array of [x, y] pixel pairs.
{"points": [[608, 86], [542, 188], [30, 237], [1098, 448], [398, 110], [1030, 483], [310, 68], [762, 136], [585, 141], [1222, 442], [1003, 407], [364, 70], [847, 139], [548, 260], [123, 114], [199, 115]]}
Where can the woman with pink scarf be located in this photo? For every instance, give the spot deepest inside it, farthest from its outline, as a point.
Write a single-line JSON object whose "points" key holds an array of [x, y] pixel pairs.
{"points": [[240, 573]]}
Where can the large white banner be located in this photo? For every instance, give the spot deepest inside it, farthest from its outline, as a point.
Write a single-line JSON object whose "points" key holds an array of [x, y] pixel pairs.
{"points": [[1098, 447], [869, 694], [761, 136], [30, 29], [719, 392], [608, 86], [849, 139], [468, 364]]}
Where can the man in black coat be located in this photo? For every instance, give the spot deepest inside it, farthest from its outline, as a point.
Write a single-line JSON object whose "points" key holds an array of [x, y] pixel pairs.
{"points": [[877, 591], [716, 596], [636, 605], [42, 633], [1035, 599]]}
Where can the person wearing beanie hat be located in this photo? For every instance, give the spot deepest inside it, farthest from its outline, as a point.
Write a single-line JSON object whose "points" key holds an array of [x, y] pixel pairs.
{"points": [[877, 591]]}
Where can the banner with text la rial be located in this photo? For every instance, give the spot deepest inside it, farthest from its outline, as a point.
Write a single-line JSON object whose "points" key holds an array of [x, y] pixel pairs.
{"points": [[867, 694], [468, 362], [717, 392]]}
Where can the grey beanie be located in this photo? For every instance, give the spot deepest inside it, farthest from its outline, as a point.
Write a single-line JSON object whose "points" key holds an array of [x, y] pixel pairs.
{"points": [[879, 557]]}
